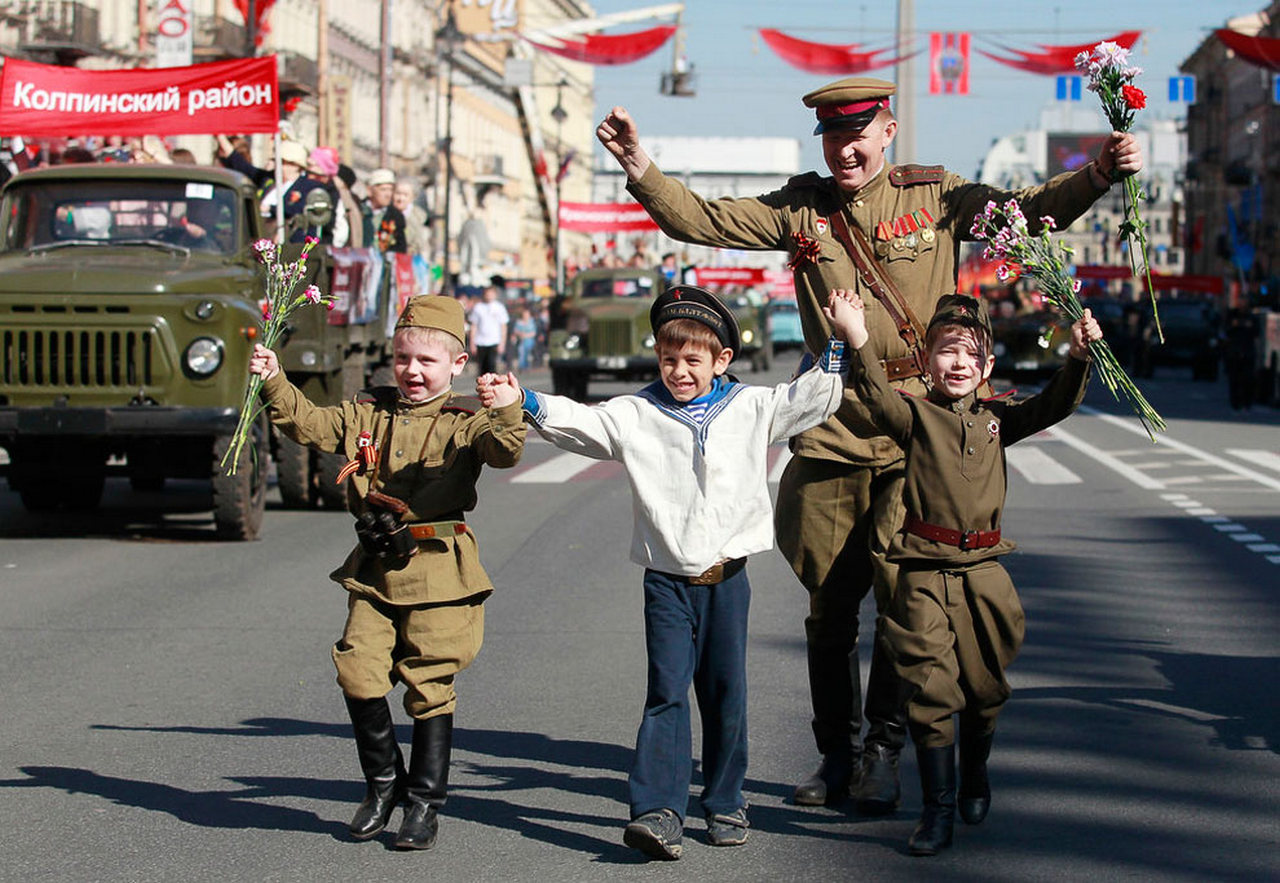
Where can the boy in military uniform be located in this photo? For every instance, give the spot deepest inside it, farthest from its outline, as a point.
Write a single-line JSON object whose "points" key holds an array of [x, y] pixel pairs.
{"points": [[955, 622], [695, 446], [838, 500], [416, 589]]}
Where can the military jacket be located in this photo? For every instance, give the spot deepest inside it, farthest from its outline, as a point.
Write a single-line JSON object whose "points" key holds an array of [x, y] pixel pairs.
{"points": [[955, 466], [915, 216], [431, 455]]}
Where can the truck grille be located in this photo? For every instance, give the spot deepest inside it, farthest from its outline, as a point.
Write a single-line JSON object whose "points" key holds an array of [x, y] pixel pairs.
{"points": [[611, 337], [81, 359]]}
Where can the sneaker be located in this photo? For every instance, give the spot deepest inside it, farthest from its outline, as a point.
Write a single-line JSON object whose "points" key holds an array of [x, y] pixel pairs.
{"points": [[657, 834], [728, 829]]}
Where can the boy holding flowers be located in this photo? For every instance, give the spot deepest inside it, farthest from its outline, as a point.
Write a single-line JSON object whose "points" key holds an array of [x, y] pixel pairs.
{"points": [[955, 621], [416, 589]]}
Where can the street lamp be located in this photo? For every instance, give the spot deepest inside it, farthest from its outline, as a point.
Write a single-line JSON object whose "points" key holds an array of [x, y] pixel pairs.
{"points": [[559, 114], [449, 36]]}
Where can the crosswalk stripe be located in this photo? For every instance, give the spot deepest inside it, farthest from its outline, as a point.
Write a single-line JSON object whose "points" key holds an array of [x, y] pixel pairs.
{"points": [[561, 467], [1266, 459], [1037, 467]]}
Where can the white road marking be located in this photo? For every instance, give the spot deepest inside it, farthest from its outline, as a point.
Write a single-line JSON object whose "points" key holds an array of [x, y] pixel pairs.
{"points": [[1037, 467], [1103, 458], [561, 467], [1266, 459]]}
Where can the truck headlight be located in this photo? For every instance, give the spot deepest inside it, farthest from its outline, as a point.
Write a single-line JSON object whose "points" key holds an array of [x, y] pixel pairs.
{"points": [[748, 336], [999, 349], [572, 342], [203, 356], [1063, 348]]}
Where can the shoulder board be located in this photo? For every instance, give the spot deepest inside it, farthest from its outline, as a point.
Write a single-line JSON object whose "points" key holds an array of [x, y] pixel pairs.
{"points": [[1008, 393], [907, 175], [377, 395], [808, 179], [464, 404]]}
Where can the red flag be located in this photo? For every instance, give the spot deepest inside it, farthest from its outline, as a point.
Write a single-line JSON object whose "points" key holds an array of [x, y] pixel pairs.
{"points": [[949, 63], [825, 58], [609, 48]]}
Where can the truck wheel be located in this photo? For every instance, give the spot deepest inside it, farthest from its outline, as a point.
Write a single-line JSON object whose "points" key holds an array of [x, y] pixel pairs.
{"points": [[572, 384], [293, 474], [239, 500], [331, 494]]}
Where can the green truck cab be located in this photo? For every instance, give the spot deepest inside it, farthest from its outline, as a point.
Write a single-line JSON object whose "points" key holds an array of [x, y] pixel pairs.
{"points": [[600, 329], [130, 298]]}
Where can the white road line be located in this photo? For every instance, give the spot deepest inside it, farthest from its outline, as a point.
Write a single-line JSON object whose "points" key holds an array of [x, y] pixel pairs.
{"points": [[1037, 467], [561, 467], [1105, 459], [1265, 459], [1136, 428]]}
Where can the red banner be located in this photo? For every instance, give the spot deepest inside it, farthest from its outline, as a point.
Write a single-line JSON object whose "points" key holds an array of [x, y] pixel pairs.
{"points": [[1052, 60], [610, 48], [41, 100], [825, 58], [948, 63], [1102, 271], [605, 217], [719, 276]]}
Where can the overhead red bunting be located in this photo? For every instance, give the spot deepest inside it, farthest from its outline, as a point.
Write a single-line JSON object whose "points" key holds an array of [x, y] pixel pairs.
{"points": [[824, 58], [1262, 51], [610, 48], [1052, 60]]}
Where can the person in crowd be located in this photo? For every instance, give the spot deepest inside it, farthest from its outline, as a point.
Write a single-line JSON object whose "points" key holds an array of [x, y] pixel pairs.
{"points": [[416, 235], [695, 446], [416, 589], [384, 223], [489, 320], [892, 233], [955, 622], [291, 189], [322, 166]]}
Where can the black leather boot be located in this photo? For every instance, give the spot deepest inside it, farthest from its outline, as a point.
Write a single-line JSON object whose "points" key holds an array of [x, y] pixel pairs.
{"points": [[427, 782], [975, 788], [836, 692], [381, 762], [877, 791], [938, 785]]}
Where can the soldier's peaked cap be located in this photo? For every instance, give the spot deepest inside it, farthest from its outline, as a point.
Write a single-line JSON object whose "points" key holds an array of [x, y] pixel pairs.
{"points": [[434, 311], [700, 305], [961, 309], [849, 104]]}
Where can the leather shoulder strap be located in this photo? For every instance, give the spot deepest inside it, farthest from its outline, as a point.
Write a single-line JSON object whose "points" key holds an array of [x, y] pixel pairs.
{"points": [[859, 249]]}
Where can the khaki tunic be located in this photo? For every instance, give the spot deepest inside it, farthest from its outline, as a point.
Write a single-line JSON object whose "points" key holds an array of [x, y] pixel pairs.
{"points": [[423, 623], [954, 620], [922, 264]]}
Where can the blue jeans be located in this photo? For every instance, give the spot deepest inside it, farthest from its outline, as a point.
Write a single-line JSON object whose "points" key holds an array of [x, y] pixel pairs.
{"points": [[693, 635]]}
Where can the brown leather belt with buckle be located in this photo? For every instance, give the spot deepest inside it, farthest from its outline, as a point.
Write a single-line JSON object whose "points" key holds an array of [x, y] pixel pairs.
{"points": [[961, 539], [429, 530], [902, 368], [717, 573]]}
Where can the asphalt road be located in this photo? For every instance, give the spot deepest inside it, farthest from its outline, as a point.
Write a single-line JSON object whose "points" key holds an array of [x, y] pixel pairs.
{"points": [[170, 711]]}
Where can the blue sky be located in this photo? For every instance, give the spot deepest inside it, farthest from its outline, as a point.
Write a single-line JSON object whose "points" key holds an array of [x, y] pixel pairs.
{"points": [[746, 90]]}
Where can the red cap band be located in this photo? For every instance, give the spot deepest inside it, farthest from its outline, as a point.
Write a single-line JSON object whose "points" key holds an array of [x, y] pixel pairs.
{"points": [[828, 111]]}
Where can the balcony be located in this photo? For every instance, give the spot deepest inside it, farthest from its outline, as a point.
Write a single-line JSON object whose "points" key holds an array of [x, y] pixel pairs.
{"points": [[219, 39], [55, 31]]}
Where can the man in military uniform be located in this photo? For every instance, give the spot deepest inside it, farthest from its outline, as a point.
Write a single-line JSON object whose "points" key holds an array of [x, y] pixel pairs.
{"points": [[839, 499]]}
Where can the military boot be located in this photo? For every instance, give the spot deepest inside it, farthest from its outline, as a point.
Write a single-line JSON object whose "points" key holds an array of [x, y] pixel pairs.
{"points": [[830, 782], [877, 791], [427, 782], [835, 689], [381, 762], [938, 785], [975, 788]]}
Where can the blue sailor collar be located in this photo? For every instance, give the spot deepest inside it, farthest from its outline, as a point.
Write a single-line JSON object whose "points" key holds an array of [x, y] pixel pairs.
{"points": [[723, 389]]}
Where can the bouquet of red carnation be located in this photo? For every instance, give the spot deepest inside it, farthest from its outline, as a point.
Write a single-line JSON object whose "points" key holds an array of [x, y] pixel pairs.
{"points": [[1110, 75]]}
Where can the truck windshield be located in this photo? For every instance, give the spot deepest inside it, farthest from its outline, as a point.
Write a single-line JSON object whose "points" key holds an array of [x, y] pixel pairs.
{"points": [[195, 215], [609, 286]]}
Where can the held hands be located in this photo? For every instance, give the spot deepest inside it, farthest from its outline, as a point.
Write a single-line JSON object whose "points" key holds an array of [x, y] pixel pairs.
{"points": [[264, 362], [1084, 332], [845, 312], [619, 135], [498, 390], [1119, 157]]}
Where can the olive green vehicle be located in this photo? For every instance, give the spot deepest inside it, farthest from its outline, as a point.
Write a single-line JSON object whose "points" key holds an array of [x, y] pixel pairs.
{"points": [[130, 297], [600, 329]]}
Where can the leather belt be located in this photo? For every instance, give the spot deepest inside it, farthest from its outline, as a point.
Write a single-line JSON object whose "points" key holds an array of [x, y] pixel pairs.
{"points": [[717, 573], [429, 530], [901, 368], [963, 540]]}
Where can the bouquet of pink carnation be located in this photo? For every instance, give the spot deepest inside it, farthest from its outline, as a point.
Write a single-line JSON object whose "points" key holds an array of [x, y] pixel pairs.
{"points": [[1110, 75], [1009, 239], [281, 301]]}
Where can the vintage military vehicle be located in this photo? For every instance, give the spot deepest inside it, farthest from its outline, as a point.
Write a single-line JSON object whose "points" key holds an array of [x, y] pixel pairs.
{"points": [[600, 329], [129, 303]]}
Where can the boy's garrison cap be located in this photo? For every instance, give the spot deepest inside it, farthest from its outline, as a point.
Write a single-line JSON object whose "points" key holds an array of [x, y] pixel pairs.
{"points": [[700, 305], [434, 311]]}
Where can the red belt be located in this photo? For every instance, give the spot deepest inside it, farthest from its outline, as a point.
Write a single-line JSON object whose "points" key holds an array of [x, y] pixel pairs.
{"points": [[963, 540]]}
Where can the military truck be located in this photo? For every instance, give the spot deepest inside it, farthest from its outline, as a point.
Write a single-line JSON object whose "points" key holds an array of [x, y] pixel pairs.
{"points": [[130, 297], [600, 329]]}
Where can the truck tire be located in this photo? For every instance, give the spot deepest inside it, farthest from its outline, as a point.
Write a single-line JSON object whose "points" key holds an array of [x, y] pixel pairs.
{"points": [[293, 474], [331, 494], [239, 500], [572, 384]]}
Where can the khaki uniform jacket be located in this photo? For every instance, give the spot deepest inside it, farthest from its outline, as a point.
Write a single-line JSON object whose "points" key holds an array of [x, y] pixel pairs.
{"points": [[955, 470], [922, 262], [435, 455]]}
